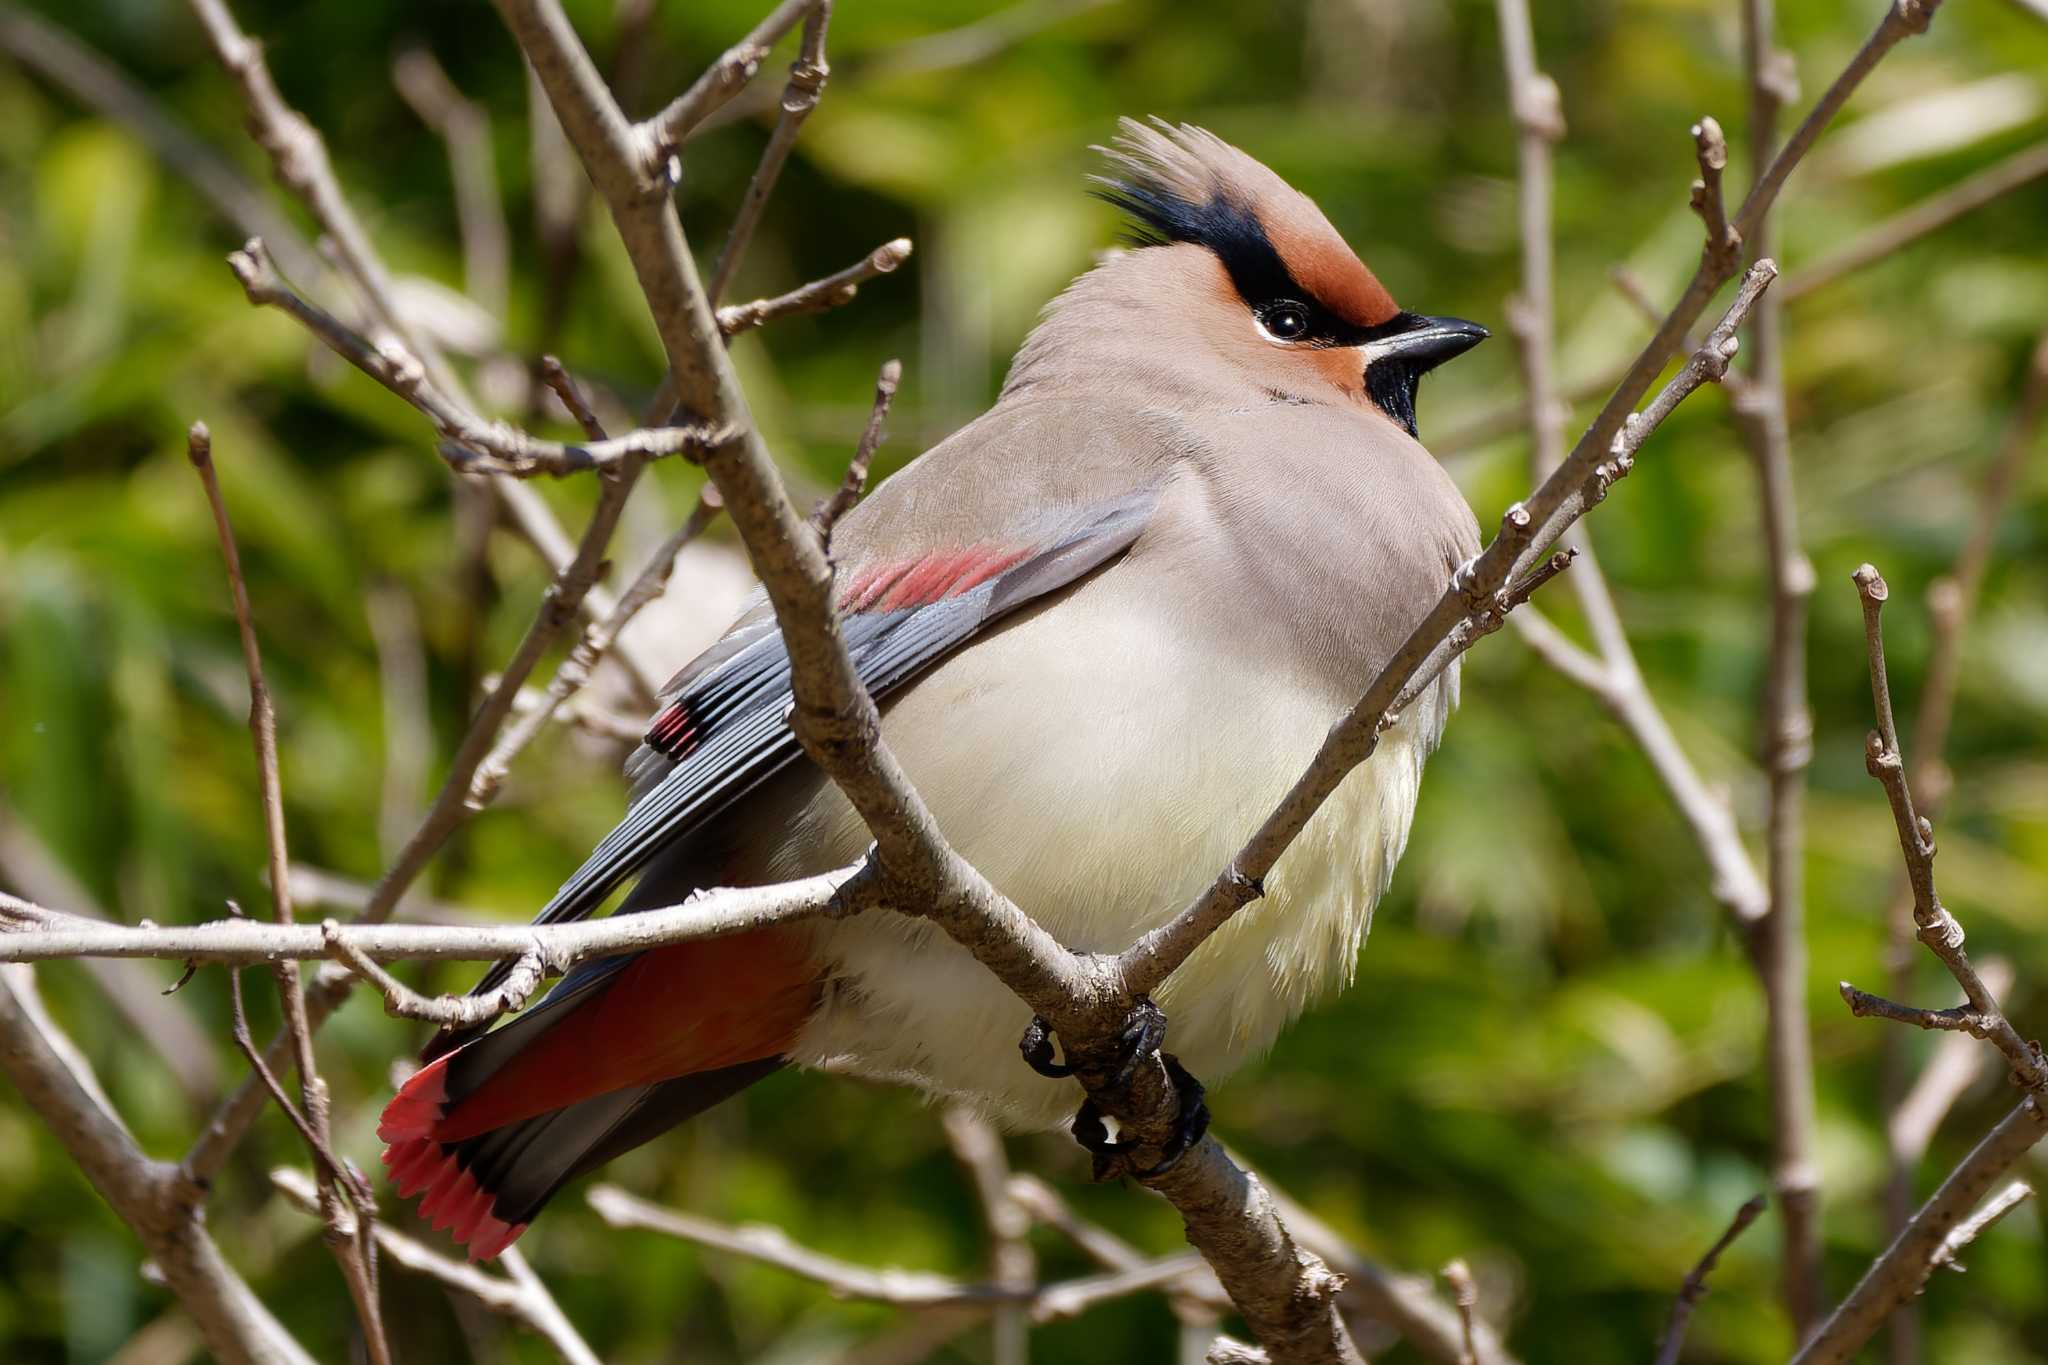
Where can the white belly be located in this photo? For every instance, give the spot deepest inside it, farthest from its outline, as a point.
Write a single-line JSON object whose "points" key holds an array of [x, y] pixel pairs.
{"points": [[1119, 771]]}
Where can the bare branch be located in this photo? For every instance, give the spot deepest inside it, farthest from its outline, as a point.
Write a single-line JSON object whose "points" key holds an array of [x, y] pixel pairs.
{"points": [[1937, 928], [346, 1203], [522, 1298], [472, 445], [557, 377], [1931, 214], [1960, 1019], [32, 933], [979, 1149], [1982, 1221], [1778, 941], [828, 512], [819, 295], [1465, 1294], [581, 665], [1895, 1277], [807, 75], [726, 77], [1695, 1286], [449, 1011], [1711, 147], [149, 1196], [904, 1288], [772, 1246]]}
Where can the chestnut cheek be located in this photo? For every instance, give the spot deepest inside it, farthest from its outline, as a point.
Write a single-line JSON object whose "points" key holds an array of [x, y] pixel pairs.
{"points": [[1339, 367]]}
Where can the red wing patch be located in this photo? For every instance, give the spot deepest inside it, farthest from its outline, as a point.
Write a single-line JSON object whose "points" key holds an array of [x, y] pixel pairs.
{"points": [[674, 731], [931, 578]]}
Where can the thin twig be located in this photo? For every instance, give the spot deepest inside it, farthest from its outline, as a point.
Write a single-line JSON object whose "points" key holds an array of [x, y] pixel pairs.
{"points": [[979, 1150], [1936, 927], [828, 512], [904, 1288], [449, 1011], [1465, 1294], [668, 130], [817, 296], [522, 1297], [1982, 1221], [1777, 943], [345, 1201], [471, 444], [1896, 1276], [807, 76], [34, 933], [1695, 1286], [151, 1197], [1951, 602], [1710, 146]]}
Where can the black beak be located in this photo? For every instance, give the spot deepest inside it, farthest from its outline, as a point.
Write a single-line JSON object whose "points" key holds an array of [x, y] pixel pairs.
{"points": [[1397, 357], [1429, 343]]}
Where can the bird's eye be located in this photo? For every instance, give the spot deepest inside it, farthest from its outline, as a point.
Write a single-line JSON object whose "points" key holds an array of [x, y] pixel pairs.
{"points": [[1284, 321]]}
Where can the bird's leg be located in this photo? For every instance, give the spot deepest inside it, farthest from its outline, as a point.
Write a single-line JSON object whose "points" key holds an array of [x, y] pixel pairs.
{"points": [[1143, 1031]]}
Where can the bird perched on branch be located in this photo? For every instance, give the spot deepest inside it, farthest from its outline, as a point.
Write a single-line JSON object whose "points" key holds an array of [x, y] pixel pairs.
{"points": [[1108, 623]]}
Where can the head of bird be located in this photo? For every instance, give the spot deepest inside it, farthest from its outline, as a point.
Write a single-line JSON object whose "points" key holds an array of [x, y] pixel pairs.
{"points": [[1237, 280]]}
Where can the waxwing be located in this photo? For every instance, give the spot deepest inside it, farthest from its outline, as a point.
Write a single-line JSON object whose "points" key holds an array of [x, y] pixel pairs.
{"points": [[1108, 623]]}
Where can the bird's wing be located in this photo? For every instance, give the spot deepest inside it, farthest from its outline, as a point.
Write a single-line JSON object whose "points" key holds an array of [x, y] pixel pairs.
{"points": [[725, 726]]}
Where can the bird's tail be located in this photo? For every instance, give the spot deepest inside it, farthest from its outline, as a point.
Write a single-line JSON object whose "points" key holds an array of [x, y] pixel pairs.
{"points": [[611, 1059], [485, 1188]]}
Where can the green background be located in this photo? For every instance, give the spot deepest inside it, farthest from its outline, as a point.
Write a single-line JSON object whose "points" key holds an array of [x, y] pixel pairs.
{"points": [[1550, 1062]]}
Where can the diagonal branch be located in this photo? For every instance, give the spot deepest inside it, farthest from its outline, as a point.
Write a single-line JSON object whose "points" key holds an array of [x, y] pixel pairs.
{"points": [[1898, 1275], [472, 445], [346, 1205], [1936, 927], [807, 75]]}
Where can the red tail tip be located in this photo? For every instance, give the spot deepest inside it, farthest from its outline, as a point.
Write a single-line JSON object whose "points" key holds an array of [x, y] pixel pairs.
{"points": [[416, 1160]]}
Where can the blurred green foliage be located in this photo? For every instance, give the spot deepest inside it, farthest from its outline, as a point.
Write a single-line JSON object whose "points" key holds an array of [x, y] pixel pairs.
{"points": [[1550, 1061]]}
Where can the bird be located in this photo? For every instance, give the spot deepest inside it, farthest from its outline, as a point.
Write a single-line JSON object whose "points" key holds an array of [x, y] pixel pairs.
{"points": [[1108, 623]]}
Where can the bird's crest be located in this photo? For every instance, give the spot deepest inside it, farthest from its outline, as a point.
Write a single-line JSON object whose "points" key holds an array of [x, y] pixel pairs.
{"points": [[1181, 183]]}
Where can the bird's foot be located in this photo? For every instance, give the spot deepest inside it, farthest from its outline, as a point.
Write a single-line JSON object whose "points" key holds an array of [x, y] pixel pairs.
{"points": [[1113, 1159], [1143, 1031]]}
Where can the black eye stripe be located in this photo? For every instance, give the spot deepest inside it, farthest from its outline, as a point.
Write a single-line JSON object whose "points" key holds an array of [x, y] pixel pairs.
{"points": [[1233, 232]]}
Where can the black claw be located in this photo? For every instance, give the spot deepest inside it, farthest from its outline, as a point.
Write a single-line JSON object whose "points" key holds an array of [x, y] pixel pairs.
{"points": [[1144, 1030], [1036, 1045], [1112, 1159]]}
